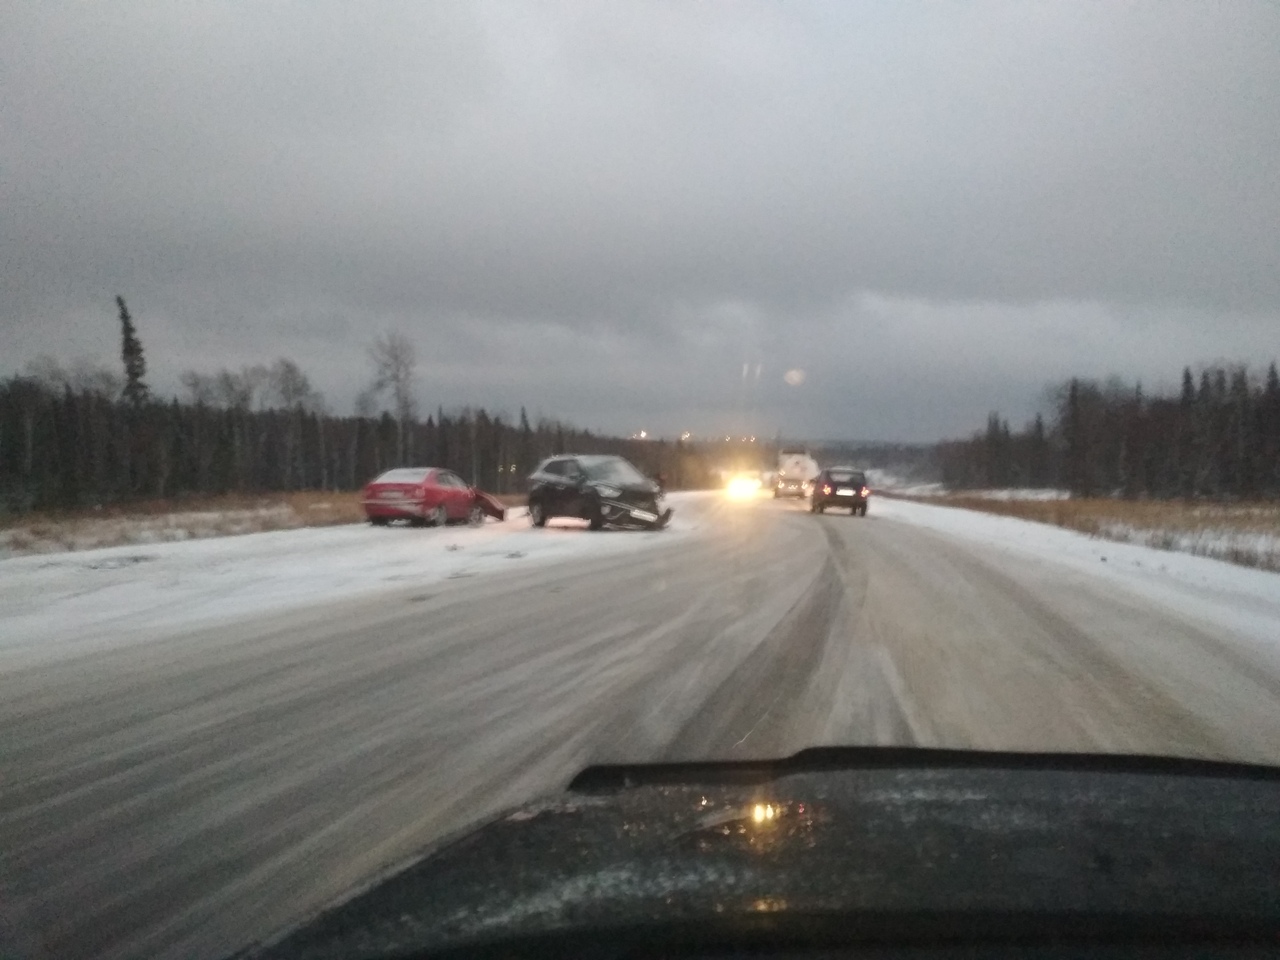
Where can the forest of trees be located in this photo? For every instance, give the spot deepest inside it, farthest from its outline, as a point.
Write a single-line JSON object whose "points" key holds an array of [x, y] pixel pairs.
{"points": [[68, 448], [1218, 437], [83, 436]]}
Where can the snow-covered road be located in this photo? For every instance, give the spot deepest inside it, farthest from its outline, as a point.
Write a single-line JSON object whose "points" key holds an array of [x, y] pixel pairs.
{"points": [[202, 741], [66, 604]]}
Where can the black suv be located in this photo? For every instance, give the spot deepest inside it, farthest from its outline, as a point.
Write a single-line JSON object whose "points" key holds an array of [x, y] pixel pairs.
{"points": [[600, 489], [840, 487]]}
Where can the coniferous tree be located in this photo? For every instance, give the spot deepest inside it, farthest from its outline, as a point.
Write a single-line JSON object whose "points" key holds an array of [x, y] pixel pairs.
{"points": [[1218, 436], [1268, 419], [1186, 456], [135, 364]]}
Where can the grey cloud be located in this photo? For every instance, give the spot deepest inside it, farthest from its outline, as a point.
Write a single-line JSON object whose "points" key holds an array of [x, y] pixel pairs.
{"points": [[603, 210]]}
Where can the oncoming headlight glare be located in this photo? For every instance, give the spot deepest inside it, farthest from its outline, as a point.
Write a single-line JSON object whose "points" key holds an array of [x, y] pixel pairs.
{"points": [[764, 812]]}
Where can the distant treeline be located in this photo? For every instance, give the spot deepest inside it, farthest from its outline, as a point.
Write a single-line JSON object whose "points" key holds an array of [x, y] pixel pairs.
{"points": [[1219, 437], [79, 444]]}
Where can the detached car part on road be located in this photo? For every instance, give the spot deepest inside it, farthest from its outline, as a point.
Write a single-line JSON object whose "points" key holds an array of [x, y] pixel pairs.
{"points": [[868, 852], [603, 490], [840, 487], [426, 495]]}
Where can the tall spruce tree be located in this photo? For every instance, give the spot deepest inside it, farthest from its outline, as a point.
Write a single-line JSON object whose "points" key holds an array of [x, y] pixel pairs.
{"points": [[135, 364]]}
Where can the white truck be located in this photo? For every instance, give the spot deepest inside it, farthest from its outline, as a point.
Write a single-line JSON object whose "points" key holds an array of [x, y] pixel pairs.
{"points": [[796, 471]]}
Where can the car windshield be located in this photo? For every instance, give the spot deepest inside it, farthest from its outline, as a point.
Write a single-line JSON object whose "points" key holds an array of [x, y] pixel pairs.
{"points": [[611, 470], [922, 359]]}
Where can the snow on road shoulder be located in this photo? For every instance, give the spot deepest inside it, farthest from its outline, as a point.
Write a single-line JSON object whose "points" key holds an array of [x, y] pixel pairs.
{"points": [[1243, 600], [53, 605]]}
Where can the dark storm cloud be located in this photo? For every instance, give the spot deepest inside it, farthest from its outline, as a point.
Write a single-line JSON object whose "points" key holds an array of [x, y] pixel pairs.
{"points": [[603, 211]]}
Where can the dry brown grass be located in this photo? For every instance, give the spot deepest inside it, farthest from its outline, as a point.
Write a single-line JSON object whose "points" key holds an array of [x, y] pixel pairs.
{"points": [[1243, 533], [158, 521], [346, 504], [190, 518]]}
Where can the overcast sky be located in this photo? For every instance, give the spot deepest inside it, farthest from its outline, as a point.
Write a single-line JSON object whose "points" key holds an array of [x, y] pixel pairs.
{"points": [[603, 211]]}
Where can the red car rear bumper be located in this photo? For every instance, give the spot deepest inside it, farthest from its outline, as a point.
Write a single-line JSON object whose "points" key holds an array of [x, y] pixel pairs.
{"points": [[393, 509]]}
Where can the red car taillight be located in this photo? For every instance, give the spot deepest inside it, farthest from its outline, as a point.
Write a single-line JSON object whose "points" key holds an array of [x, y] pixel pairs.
{"points": [[826, 490], [866, 492]]}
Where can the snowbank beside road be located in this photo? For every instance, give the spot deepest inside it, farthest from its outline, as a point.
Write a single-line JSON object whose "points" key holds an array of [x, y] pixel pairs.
{"points": [[1212, 592], [1249, 548], [891, 484], [52, 604], [1244, 533], [1018, 493]]}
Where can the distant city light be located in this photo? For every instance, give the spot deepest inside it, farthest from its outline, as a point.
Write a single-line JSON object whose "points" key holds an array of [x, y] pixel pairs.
{"points": [[686, 435]]}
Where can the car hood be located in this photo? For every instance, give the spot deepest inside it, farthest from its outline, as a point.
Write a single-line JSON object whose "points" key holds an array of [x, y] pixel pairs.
{"points": [[838, 844], [646, 489]]}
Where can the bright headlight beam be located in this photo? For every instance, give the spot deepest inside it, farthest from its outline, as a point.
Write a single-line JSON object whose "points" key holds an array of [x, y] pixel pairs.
{"points": [[763, 812]]}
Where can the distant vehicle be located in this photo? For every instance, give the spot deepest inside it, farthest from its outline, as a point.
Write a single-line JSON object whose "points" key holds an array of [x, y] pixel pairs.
{"points": [[796, 471], [840, 487], [426, 495], [743, 485], [845, 852], [603, 490]]}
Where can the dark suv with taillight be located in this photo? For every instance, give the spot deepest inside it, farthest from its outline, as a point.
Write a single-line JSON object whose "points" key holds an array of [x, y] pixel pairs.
{"points": [[840, 487]]}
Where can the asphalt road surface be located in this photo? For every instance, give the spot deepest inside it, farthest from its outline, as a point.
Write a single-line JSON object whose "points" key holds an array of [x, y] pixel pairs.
{"points": [[183, 797]]}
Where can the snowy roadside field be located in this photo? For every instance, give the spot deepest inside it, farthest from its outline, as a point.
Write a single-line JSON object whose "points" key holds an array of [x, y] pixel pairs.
{"points": [[1246, 547], [1219, 595], [1021, 493], [1247, 534], [83, 600], [888, 483]]}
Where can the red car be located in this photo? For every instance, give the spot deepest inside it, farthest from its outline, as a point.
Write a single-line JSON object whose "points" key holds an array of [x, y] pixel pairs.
{"points": [[425, 495]]}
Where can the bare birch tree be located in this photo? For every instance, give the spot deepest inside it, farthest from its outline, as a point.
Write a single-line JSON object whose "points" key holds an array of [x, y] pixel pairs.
{"points": [[393, 359]]}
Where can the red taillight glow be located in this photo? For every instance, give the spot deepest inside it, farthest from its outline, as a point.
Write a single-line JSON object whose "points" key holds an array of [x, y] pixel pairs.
{"points": [[865, 491], [826, 490]]}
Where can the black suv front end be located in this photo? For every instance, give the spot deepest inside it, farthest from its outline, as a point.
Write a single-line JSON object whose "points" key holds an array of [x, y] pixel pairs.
{"points": [[603, 490]]}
